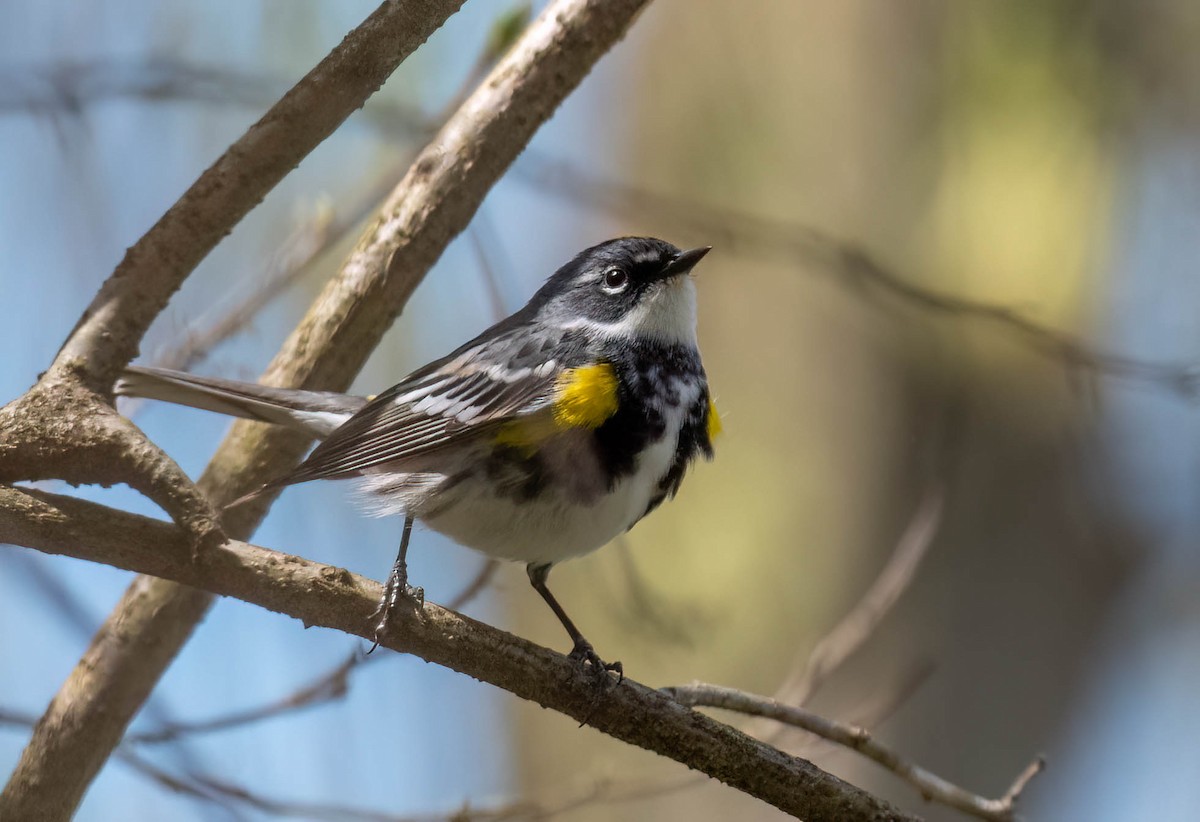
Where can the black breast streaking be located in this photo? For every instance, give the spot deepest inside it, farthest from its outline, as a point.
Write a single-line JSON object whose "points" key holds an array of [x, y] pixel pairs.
{"points": [[654, 381]]}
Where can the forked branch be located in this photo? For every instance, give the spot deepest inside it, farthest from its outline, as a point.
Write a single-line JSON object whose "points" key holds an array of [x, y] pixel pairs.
{"points": [[334, 598], [930, 785]]}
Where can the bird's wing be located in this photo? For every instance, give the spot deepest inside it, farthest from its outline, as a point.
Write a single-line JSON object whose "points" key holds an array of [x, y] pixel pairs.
{"points": [[445, 402]]}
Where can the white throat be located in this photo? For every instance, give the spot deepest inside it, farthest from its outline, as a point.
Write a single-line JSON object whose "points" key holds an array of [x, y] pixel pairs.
{"points": [[667, 315]]}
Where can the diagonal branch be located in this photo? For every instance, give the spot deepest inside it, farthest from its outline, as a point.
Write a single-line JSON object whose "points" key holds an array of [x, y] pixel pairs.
{"points": [[930, 785], [327, 228], [860, 624], [431, 205], [326, 687], [107, 336], [334, 598], [65, 90], [62, 428]]}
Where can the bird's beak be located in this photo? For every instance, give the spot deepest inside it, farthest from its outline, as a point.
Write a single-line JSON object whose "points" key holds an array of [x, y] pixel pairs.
{"points": [[684, 263]]}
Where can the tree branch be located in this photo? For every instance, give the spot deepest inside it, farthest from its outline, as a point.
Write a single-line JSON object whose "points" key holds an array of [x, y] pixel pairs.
{"points": [[327, 228], [930, 785], [67, 89], [431, 205], [62, 428], [334, 598], [108, 334], [860, 624], [325, 687]]}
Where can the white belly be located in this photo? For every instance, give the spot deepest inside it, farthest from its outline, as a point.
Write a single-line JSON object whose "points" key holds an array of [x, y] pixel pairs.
{"points": [[572, 515], [551, 528]]}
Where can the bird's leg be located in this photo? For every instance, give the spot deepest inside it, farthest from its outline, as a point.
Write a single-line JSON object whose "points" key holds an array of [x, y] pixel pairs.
{"points": [[582, 652], [396, 587]]}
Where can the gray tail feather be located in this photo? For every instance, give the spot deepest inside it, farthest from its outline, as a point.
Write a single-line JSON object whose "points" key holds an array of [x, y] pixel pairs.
{"points": [[317, 413], [262, 489]]}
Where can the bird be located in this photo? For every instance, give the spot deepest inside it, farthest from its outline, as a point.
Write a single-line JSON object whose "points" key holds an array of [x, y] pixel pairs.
{"points": [[541, 439]]}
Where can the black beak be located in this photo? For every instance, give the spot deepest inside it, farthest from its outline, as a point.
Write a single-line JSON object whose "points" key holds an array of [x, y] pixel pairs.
{"points": [[684, 263]]}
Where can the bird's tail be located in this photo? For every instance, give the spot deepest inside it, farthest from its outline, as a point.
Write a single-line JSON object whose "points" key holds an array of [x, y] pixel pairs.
{"points": [[317, 413]]}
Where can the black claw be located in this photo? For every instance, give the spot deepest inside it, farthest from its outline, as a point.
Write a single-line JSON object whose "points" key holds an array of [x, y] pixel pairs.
{"points": [[396, 588], [393, 592], [585, 655]]}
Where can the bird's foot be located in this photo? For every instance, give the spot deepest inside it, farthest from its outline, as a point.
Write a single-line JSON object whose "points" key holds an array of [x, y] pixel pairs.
{"points": [[396, 589], [593, 666]]}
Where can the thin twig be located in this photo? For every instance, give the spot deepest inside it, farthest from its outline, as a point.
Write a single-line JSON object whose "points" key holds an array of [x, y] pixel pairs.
{"points": [[885, 700], [930, 785], [12, 718], [67, 91], [650, 611], [328, 688], [861, 622], [491, 282], [481, 580], [857, 626], [176, 784], [291, 262]]}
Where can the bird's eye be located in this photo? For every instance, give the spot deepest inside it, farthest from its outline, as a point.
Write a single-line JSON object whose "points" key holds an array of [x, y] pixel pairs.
{"points": [[615, 280]]}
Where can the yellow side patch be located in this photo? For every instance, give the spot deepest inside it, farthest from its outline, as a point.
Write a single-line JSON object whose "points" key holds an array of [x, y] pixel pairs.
{"points": [[714, 421], [586, 396]]}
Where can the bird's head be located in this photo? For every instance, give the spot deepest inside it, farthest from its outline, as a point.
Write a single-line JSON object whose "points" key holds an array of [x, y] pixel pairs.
{"points": [[631, 286]]}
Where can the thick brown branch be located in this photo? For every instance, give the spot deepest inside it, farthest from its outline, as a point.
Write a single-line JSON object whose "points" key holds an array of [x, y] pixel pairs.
{"points": [[63, 429], [67, 89], [334, 598], [858, 739], [108, 334], [432, 204], [325, 687]]}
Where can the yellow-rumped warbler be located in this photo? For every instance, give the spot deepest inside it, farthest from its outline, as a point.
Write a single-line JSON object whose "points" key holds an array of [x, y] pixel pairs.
{"points": [[541, 439]]}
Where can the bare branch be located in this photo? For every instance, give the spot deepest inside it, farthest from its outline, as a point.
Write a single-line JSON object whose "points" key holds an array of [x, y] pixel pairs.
{"points": [[207, 788], [332, 597], [107, 336], [850, 633], [860, 623], [328, 228], [290, 262], [481, 580], [62, 428], [859, 739], [175, 784], [432, 204], [328, 686]]}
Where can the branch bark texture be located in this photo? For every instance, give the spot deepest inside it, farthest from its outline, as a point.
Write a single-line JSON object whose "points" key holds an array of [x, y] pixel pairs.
{"points": [[334, 598], [433, 203], [930, 785], [85, 441], [108, 334]]}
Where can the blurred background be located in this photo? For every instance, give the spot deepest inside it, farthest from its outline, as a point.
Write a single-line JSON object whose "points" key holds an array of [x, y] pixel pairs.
{"points": [[953, 280]]}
